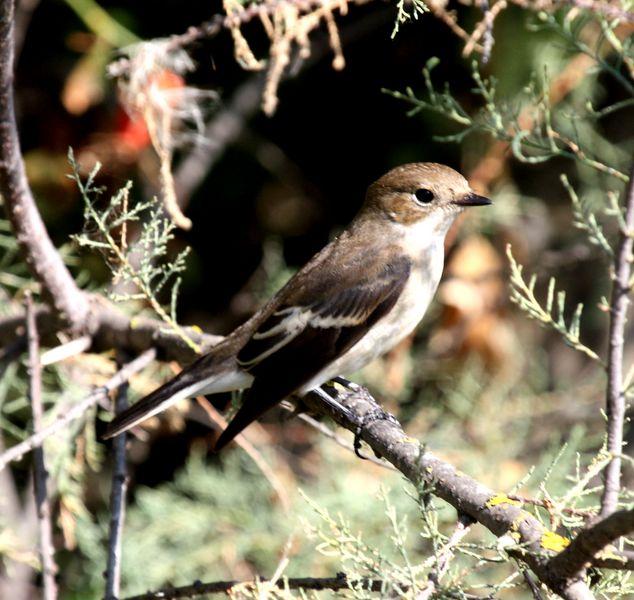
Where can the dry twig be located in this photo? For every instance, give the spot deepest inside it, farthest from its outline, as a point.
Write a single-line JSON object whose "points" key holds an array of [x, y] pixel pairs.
{"points": [[40, 476], [117, 501], [35, 441]]}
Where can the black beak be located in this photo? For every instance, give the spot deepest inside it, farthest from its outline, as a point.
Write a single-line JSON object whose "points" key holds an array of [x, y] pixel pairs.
{"points": [[472, 199]]}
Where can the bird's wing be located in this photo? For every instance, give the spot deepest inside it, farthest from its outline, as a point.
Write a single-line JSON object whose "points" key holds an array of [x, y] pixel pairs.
{"points": [[313, 324]]}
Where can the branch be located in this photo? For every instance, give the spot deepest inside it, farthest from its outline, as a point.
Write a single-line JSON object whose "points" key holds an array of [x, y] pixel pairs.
{"points": [[340, 582], [35, 441], [615, 400], [112, 328], [117, 503], [496, 512], [583, 549], [45, 263], [40, 476]]}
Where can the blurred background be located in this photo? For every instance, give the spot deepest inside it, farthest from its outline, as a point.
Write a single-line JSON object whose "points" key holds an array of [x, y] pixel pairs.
{"points": [[484, 387]]}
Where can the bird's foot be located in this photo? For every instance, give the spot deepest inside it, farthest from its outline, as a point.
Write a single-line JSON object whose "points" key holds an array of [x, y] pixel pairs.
{"points": [[376, 414]]}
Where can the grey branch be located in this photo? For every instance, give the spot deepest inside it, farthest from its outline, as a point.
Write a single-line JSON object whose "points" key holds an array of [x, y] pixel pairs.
{"points": [[615, 400], [117, 503], [340, 582], [387, 439], [40, 476], [112, 328], [43, 260], [583, 550], [35, 441]]}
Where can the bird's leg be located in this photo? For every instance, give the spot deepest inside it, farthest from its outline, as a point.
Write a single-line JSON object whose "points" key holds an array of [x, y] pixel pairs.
{"points": [[376, 414]]}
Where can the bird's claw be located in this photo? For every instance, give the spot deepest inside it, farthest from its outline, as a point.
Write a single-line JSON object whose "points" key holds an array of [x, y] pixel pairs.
{"points": [[377, 414]]}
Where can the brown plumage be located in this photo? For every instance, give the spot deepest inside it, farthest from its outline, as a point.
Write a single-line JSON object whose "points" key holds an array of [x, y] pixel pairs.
{"points": [[351, 302]]}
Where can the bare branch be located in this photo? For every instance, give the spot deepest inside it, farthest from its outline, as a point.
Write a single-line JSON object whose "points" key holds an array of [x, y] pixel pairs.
{"points": [[615, 400], [16, 452], [40, 476], [45, 263], [340, 582], [496, 512], [117, 502], [582, 551], [112, 328]]}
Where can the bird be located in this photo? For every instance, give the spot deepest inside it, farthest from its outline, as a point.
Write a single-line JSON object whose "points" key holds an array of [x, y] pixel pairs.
{"points": [[352, 302]]}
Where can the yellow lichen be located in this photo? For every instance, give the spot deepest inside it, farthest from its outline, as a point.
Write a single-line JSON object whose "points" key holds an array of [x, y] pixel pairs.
{"points": [[501, 499], [553, 541]]}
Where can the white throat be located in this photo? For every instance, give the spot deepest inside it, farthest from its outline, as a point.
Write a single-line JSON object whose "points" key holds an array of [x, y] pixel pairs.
{"points": [[428, 234]]}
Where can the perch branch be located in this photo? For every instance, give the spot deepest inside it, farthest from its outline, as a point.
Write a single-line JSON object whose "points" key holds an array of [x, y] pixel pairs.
{"points": [[40, 476], [44, 262], [468, 496], [615, 400], [35, 441], [117, 502]]}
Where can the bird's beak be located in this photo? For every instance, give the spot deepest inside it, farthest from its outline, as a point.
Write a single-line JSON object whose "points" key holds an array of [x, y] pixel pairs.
{"points": [[472, 199]]}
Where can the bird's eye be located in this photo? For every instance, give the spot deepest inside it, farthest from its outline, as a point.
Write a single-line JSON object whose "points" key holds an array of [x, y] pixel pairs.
{"points": [[423, 196]]}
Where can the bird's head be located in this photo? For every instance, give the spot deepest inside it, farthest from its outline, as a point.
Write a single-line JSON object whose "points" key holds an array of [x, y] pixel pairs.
{"points": [[414, 192]]}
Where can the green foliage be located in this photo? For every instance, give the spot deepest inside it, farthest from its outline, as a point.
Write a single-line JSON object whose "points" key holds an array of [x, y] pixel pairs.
{"points": [[523, 294], [586, 220], [536, 130], [144, 265]]}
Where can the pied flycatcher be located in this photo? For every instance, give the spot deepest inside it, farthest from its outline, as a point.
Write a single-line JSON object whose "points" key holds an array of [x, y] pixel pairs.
{"points": [[352, 302]]}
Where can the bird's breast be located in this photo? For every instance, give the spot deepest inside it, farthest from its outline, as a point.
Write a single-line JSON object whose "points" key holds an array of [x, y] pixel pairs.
{"points": [[407, 312]]}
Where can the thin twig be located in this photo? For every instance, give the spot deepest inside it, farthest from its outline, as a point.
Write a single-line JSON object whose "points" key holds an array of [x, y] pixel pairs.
{"points": [[615, 400], [445, 555], [16, 452], [118, 492], [340, 582], [40, 476], [65, 351], [532, 584]]}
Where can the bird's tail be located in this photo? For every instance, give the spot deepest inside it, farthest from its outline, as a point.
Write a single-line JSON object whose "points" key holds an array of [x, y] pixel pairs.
{"points": [[178, 388], [255, 402]]}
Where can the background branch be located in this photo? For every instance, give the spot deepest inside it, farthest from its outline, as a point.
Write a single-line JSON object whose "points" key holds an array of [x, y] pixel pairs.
{"points": [[40, 476], [44, 262], [117, 501], [340, 582], [615, 401], [112, 328]]}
